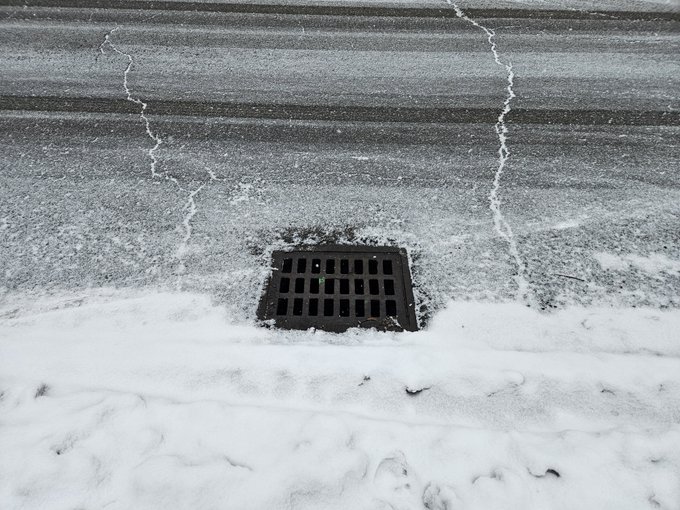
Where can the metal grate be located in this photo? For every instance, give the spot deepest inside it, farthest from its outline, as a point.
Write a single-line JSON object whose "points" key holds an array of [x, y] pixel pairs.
{"points": [[339, 287]]}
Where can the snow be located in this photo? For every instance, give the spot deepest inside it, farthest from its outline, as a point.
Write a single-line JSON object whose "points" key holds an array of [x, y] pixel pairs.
{"points": [[654, 264], [137, 400]]}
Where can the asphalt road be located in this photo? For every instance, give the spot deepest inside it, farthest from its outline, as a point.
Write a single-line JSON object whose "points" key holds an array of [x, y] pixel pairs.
{"points": [[280, 126]]}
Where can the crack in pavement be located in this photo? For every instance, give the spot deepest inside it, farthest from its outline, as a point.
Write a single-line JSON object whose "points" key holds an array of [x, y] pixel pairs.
{"points": [[500, 223], [136, 100], [190, 206]]}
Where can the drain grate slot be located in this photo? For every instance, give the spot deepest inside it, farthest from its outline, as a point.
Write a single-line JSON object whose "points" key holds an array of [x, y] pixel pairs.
{"points": [[338, 287]]}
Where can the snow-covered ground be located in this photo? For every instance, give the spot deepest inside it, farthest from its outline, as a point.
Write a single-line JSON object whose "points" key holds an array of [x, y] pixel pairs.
{"points": [[122, 400]]}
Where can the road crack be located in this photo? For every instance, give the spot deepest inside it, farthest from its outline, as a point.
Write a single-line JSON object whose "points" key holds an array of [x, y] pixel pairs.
{"points": [[189, 209], [501, 225], [156, 139]]}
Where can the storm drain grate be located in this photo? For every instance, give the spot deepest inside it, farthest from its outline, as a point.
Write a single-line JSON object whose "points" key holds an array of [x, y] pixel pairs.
{"points": [[339, 287]]}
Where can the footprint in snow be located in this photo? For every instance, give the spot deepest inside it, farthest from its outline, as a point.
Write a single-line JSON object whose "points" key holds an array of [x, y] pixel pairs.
{"points": [[394, 480], [439, 497]]}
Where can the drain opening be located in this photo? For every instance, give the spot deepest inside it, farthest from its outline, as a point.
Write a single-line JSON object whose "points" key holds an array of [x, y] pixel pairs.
{"points": [[338, 287]]}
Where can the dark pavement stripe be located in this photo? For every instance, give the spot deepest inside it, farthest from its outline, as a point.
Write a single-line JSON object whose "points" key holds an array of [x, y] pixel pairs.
{"points": [[342, 113], [343, 10]]}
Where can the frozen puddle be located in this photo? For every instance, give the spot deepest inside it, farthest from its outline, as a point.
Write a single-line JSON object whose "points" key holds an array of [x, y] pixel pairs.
{"points": [[160, 401]]}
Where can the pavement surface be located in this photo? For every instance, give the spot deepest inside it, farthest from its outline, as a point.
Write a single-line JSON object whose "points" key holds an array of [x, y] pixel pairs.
{"points": [[267, 126]]}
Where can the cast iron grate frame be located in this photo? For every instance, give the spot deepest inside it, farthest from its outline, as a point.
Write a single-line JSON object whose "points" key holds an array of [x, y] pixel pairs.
{"points": [[337, 287]]}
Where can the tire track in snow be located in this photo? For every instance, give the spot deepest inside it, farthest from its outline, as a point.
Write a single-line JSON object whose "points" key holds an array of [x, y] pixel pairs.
{"points": [[501, 225], [189, 207]]}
